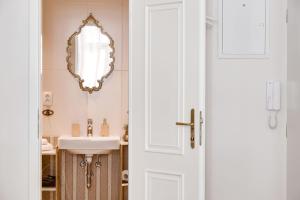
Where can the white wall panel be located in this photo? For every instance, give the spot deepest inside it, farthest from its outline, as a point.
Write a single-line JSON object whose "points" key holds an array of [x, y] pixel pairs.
{"points": [[243, 28], [159, 182], [164, 99]]}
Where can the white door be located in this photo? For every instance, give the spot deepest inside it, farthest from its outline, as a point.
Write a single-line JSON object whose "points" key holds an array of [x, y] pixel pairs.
{"points": [[167, 47], [19, 143]]}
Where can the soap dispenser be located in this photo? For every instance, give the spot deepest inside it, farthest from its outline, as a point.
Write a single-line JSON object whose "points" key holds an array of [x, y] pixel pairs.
{"points": [[104, 129]]}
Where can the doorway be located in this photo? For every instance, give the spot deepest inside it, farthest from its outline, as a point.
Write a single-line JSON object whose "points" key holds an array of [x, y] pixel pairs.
{"points": [[84, 99], [175, 135]]}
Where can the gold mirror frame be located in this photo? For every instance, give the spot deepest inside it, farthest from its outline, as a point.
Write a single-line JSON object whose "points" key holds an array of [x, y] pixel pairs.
{"points": [[90, 20]]}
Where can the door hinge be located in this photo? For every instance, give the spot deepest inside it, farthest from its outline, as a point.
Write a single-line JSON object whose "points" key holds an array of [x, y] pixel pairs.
{"points": [[287, 16], [286, 131], [38, 124]]}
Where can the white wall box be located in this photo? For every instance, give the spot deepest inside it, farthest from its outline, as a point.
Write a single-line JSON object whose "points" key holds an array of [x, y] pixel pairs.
{"points": [[243, 28]]}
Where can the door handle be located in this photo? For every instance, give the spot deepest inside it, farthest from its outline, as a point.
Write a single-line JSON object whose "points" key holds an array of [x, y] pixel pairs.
{"points": [[192, 126]]}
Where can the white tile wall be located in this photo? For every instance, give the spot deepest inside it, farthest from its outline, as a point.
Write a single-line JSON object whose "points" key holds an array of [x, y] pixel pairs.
{"points": [[60, 19]]}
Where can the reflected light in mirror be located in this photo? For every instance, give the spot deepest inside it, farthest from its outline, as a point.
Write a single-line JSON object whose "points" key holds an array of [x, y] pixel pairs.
{"points": [[92, 54]]}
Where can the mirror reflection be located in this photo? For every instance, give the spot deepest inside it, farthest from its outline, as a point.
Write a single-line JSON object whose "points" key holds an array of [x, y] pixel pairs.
{"points": [[90, 55]]}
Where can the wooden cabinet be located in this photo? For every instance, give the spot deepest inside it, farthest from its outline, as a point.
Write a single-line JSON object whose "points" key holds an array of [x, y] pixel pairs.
{"points": [[123, 166], [49, 168]]}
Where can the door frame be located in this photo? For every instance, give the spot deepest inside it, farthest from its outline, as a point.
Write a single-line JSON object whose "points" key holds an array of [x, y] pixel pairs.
{"points": [[34, 162], [34, 159]]}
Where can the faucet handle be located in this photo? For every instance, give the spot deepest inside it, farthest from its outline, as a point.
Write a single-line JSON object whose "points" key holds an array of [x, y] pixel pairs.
{"points": [[90, 127]]}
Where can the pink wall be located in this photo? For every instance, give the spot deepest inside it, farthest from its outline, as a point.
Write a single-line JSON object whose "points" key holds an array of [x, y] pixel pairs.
{"points": [[61, 18]]}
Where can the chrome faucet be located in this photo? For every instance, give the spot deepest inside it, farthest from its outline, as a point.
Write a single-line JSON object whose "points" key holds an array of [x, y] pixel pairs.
{"points": [[90, 128]]}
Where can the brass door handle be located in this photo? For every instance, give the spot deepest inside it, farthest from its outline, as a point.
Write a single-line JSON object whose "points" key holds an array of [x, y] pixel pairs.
{"points": [[192, 125], [184, 124]]}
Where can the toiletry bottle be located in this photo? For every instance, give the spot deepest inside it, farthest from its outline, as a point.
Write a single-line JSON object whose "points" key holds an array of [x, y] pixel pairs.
{"points": [[104, 128], [76, 130], [125, 136]]}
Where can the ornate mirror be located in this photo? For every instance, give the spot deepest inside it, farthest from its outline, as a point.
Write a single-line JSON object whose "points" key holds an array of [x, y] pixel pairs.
{"points": [[90, 55]]}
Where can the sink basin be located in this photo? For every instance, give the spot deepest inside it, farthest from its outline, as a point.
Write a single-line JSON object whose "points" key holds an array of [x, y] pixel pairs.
{"points": [[89, 145]]}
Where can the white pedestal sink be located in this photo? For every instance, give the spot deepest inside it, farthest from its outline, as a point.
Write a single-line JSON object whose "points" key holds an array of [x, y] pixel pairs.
{"points": [[89, 146]]}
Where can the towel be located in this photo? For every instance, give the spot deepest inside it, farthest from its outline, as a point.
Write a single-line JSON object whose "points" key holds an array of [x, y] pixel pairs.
{"points": [[47, 147], [44, 141]]}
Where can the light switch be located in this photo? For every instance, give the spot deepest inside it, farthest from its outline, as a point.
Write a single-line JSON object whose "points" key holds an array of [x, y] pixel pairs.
{"points": [[47, 99]]}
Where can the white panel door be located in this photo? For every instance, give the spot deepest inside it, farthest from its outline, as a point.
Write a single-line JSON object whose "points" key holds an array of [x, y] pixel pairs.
{"points": [[166, 83], [19, 57]]}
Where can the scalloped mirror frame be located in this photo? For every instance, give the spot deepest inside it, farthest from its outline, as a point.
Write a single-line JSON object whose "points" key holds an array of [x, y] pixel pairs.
{"points": [[90, 20]]}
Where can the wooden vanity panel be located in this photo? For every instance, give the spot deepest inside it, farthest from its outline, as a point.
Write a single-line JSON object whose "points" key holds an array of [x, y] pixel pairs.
{"points": [[58, 174], [80, 191], [125, 157], [123, 154], [125, 193], [46, 196], [80, 180], [69, 176], [104, 178], [115, 176], [46, 168]]}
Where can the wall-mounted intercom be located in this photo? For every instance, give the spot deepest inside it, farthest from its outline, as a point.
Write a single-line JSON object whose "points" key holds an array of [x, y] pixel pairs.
{"points": [[273, 101], [273, 95]]}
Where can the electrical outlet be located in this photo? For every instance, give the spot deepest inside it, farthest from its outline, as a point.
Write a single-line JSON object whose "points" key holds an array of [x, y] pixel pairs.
{"points": [[47, 99]]}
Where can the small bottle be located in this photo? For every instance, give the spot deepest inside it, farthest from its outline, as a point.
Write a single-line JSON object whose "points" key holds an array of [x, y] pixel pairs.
{"points": [[76, 130], [125, 136], [104, 130]]}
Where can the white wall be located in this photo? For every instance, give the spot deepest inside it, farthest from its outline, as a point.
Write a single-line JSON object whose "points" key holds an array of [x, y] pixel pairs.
{"points": [[245, 159], [19, 95], [293, 166], [61, 18]]}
